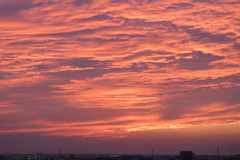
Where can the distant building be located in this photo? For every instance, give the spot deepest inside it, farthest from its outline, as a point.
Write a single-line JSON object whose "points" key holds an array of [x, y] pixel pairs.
{"points": [[187, 155]]}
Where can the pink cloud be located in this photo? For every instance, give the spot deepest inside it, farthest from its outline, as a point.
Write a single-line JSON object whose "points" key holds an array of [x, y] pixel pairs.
{"points": [[110, 69]]}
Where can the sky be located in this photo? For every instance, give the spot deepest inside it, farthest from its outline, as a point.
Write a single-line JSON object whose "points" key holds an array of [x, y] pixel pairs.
{"points": [[120, 76]]}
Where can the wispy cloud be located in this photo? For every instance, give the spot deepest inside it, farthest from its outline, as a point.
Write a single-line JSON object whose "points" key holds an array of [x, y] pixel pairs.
{"points": [[104, 69]]}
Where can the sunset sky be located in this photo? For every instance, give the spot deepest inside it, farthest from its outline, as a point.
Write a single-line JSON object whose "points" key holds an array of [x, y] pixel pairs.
{"points": [[120, 76]]}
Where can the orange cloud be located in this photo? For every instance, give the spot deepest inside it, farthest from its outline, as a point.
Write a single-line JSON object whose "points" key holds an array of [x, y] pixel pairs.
{"points": [[106, 69]]}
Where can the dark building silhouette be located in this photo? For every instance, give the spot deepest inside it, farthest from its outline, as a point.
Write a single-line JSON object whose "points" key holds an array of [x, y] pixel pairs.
{"points": [[187, 155]]}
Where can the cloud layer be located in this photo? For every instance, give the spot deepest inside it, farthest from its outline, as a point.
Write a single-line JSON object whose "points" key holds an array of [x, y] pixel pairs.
{"points": [[104, 69]]}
